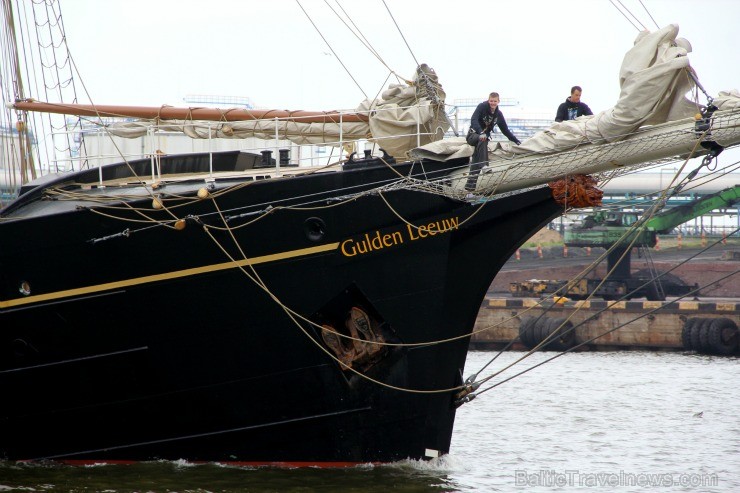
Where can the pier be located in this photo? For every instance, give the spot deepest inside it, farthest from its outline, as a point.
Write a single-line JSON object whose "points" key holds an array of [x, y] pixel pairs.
{"points": [[610, 325], [598, 325]]}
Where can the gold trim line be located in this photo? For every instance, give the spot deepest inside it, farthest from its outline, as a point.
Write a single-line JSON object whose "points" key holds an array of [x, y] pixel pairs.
{"points": [[169, 275]]}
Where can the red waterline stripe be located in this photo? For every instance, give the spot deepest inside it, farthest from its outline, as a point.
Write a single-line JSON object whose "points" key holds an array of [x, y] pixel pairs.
{"points": [[286, 464]]}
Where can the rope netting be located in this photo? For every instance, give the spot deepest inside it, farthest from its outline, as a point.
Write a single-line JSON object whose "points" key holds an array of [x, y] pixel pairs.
{"points": [[649, 147]]}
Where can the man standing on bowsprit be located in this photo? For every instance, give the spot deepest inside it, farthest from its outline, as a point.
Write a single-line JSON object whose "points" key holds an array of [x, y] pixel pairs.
{"points": [[485, 117]]}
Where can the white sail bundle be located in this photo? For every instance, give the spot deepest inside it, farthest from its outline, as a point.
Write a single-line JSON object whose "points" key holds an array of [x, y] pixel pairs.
{"points": [[406, 116], [297, 132], [652, 120]]}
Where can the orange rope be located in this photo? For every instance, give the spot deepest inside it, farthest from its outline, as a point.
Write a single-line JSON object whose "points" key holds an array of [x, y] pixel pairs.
{"points": [[576, 191]]}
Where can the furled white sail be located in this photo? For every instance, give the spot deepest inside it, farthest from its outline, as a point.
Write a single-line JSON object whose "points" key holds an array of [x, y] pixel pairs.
{"points": [[406, 116], [651, 120]]}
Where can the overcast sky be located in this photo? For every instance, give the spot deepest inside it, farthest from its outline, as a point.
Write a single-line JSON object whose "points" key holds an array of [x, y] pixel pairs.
{"points": [[151, 52]]}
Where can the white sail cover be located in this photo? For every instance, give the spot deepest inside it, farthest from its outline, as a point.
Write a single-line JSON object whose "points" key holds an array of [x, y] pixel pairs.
{"points": [[408, 116], [395, 121], [727, 100], [653, 79], [651, 122]]}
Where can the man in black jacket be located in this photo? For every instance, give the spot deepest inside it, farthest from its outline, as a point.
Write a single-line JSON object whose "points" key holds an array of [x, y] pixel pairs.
{"points": [[572, 108], [485, 117]]}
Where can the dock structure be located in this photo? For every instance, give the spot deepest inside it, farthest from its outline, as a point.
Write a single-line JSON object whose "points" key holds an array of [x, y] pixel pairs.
{"points": [[516, 323]]}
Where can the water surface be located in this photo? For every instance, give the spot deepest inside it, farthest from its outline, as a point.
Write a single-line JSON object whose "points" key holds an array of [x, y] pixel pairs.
{"points": [[627, 421]]}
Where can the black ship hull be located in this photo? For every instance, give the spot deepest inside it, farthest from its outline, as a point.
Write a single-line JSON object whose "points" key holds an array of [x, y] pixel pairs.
{"points": [[127, 337]]}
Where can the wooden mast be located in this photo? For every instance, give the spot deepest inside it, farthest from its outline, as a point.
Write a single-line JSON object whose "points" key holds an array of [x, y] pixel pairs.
{"points": [[193, 113], [26, 166]]}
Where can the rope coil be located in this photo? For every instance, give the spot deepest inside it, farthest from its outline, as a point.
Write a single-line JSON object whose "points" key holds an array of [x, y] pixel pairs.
{"points": [[576, 191]]}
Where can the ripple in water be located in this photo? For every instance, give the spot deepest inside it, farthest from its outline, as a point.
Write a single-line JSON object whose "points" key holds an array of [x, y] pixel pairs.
{"points": [[622, 419]]}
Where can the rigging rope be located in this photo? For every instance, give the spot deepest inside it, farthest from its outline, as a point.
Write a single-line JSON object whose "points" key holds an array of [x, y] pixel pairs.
{"points": [[290, 312], [633, 15], [634, 230], [594, 316], [361, 37], [264, 287], [646, 314], [649, 14], [260, 283], [294, 316], [401, 33], [472, 384], [332, 49], [625, 14]]}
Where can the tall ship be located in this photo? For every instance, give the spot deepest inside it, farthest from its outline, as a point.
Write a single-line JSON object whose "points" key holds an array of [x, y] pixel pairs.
{"points": [[245, 308]]}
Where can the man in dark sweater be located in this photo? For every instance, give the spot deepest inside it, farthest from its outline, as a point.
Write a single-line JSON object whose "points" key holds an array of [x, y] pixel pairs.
{"points": [[485, 117], [572, 108]]}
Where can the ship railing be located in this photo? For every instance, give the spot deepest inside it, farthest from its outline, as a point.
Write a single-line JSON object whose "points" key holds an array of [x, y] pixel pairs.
{"points": [[97, 146]]}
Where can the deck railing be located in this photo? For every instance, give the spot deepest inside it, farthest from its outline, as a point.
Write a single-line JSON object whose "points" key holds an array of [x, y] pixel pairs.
{"points": [[97, 146]]}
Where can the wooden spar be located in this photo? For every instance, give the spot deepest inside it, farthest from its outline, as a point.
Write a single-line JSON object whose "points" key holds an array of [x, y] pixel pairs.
{"points": [[173, 113]]}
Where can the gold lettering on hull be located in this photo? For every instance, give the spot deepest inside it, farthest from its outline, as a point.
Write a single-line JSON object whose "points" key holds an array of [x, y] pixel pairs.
{"points": [[368, 243], [372, 242], [432, 229]]}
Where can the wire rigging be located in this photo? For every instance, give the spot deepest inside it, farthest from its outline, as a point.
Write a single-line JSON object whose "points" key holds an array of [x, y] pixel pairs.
{"points": [[332, 50], [629, 15], [649, 14], [361, 37], [609, 331], [401, 33], [638, 225], [633, 15], [625, 13], [400, 181]]}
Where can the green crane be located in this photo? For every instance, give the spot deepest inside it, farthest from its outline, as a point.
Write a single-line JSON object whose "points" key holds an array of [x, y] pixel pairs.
{"points": [[619, 231], [605, 228]]}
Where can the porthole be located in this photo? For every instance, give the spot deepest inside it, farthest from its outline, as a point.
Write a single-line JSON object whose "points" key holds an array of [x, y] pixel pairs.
{"points": [[315, 228]]}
